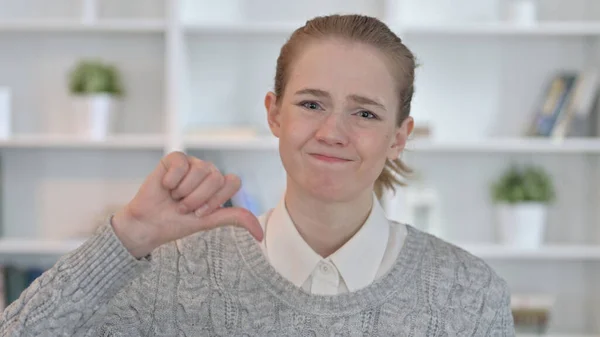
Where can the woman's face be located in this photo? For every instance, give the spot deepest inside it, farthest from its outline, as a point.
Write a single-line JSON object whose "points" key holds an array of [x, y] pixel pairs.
{"points": [[336, 120]]}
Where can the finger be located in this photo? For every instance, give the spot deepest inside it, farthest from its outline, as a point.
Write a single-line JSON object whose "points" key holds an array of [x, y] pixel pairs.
{"points": [[198, 197], [198, 171], [230, 187], [234, 216], [176, 165]]}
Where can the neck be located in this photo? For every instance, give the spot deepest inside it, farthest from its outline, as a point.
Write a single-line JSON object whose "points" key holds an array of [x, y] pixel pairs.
{"points": [[326, 226]]}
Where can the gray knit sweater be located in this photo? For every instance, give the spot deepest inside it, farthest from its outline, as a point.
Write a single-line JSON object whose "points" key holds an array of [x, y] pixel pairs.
{"points": [[219, 283]]}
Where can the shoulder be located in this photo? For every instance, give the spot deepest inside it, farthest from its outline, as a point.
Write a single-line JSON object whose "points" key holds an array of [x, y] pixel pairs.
{"points": [[454, 262], [461, 278]]}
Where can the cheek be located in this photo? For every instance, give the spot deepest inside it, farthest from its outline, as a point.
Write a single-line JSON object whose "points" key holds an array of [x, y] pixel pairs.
{"points": [[296, 130], [373, 145]]}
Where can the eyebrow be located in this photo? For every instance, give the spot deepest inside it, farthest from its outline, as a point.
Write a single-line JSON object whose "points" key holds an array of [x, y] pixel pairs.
{"points": [[314, 92], [356, 98], [366, 101]]}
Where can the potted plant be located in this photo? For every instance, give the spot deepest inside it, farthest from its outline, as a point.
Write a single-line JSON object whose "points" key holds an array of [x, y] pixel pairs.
{"points": [[522, 197], [95, 87]]}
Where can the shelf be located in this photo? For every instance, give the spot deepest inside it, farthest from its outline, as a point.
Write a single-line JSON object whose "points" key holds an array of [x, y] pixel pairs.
{"points": [[104, 25], [247, 141], [548, 252], [541, 29], [276, 28], [231, 141], [228, 141], [18, 247], [126, 142], [514, 145]]}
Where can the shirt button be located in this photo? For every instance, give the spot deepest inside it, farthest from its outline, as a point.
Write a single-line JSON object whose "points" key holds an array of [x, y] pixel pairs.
{"points": [[325, 269]]}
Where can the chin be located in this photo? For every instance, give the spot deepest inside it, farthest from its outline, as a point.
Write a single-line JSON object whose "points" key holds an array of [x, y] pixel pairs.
{"points": [[324, 185], [332, 193]]}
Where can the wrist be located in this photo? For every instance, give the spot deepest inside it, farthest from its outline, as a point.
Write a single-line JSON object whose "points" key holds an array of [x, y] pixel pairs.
{"points": [[131, 234]]}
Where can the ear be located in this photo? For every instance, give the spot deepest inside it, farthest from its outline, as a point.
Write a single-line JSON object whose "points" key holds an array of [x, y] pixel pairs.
{"points": [[273, 113], [401, 134]]}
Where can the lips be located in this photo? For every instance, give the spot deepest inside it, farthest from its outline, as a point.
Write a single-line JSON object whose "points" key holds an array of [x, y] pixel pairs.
{"points": [[329, 158]]}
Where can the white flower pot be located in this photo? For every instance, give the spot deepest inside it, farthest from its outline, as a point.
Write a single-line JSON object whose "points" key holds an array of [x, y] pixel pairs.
{"points": [[94, 115], [521, 225]]}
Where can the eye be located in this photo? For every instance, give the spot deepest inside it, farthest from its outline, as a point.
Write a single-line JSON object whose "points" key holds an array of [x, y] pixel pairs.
{"points": [[311, 105], [367, 114]]}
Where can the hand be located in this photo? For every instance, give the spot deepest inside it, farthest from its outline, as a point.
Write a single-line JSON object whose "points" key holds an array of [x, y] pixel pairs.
{"points": [[182, 196]]}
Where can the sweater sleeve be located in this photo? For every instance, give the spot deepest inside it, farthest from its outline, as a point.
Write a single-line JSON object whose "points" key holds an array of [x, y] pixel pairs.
{"points": [[72, 296], [503, 322]]}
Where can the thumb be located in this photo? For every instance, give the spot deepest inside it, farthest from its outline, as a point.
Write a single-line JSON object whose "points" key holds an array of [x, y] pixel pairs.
{"points": [[234, 216]]}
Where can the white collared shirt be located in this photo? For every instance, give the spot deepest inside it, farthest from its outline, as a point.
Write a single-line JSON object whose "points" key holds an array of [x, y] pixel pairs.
{"points": [[368, 255]]}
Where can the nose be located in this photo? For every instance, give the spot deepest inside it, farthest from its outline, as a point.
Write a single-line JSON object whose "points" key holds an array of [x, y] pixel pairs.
{"points": [[332, 131]]}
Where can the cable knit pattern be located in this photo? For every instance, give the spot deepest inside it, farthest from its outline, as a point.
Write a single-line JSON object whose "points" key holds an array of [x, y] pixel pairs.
{"points": [[219, 283]]}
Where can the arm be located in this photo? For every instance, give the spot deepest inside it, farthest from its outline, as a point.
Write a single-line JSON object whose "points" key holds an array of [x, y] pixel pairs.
{"points": [[503, 323], [105, 288], [72, 295]]}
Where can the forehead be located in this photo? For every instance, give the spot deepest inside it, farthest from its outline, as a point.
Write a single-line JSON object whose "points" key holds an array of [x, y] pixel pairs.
{"points": [[343, 68]]}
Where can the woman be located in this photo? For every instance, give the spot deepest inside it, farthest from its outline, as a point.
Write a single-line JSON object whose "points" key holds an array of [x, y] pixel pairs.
{"points": [[324, 261]]}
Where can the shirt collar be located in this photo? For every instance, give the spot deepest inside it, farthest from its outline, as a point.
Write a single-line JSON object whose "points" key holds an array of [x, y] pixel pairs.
{"points": [[287, 251], [357, 261]]}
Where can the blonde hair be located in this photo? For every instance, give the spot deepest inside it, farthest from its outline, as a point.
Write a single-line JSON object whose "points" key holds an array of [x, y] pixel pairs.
{"points": [[373, 32]]}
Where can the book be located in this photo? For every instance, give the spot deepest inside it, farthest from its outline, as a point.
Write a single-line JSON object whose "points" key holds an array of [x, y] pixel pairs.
{"points": [[553, 104], [579, 118]]}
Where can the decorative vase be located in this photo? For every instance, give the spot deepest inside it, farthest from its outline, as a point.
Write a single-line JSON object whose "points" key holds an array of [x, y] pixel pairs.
{"points": [[522, 225], [94, 115]]}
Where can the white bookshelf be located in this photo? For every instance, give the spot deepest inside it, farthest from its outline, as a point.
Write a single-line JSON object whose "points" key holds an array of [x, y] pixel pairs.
{"points": [[74, 26], [232, 142], [225, 140], [478, 84], [119, 142], [508, 145], [546, 29], [550, 252], [35, 253], [282, 29], [40, 247]]}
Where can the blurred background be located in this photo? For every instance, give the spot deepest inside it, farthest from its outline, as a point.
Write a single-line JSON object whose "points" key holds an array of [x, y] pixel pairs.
{"points": [[506, 156]]}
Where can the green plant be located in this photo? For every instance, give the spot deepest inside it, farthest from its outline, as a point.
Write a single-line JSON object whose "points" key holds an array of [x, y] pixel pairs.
{"points": [[529, 184], [95, 77]]}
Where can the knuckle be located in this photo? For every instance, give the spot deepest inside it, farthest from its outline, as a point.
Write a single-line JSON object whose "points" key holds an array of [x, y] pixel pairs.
{"points": [[201, 167], [217, 179], [205, 170], [197, 170], [197, 161], [211, 167]]}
